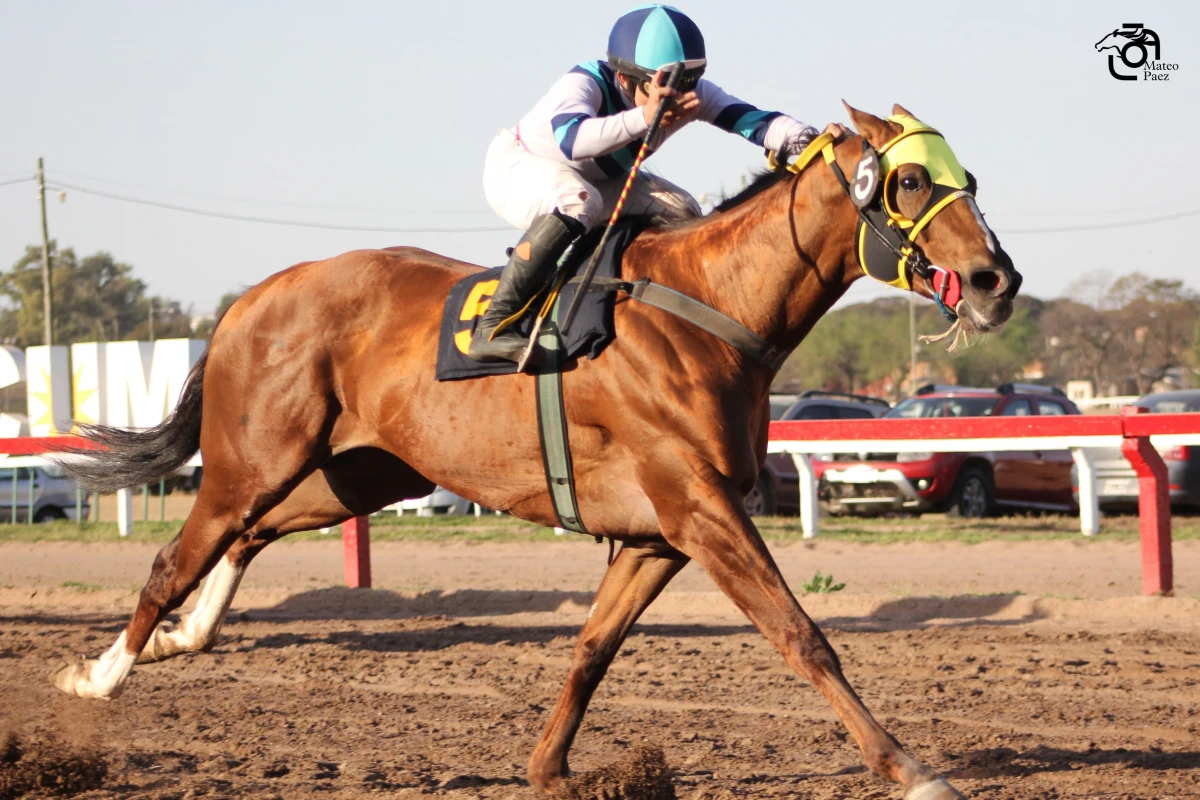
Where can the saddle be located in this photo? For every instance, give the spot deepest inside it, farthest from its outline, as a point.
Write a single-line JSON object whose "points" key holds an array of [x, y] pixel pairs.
{"points": [[590, 332]]}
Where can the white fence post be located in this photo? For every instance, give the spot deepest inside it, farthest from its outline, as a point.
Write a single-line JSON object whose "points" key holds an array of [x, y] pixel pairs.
{"points": [[124, 511], [808, 495], [1089, 499]]}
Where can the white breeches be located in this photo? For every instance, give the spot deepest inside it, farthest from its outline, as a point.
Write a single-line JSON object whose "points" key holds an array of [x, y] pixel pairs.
{"points": [[520, 186]]}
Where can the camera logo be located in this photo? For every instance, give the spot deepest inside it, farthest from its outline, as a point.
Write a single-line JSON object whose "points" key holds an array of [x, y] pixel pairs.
{"points": [[1138, 49]]}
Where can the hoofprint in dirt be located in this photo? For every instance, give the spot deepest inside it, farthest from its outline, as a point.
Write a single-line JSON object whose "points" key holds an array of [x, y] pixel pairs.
{"points": [[444, 688]]}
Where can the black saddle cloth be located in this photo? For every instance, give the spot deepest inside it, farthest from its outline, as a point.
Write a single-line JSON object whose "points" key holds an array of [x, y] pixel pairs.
{"points": [[590, 333]]}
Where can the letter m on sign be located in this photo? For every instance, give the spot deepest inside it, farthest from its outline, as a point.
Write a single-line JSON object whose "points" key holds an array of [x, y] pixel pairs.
{"points": [[145, 379]]}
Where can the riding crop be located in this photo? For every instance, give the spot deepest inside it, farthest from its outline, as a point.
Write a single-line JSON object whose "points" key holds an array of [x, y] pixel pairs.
{"points": [[589, 273]]}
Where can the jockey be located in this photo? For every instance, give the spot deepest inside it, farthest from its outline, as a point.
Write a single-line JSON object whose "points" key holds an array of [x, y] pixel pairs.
{"points": [[559, 172]]}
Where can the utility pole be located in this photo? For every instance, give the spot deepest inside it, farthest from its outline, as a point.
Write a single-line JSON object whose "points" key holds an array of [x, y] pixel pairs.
{"points": [[47, 301], [912, 340], [152, 319]]}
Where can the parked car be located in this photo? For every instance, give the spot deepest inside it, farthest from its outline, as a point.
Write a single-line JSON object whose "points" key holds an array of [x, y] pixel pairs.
{"points": [[966, 484], [441, 501], [54, 494], [778, 487], [1116, 482]]}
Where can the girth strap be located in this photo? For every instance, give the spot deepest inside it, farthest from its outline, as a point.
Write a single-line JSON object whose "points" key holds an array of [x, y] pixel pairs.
{"points": [[552, 418], [552, 429], [722, 326]]}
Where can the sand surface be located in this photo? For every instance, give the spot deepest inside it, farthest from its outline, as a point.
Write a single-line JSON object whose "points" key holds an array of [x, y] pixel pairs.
{"points": [[1018, 669]]}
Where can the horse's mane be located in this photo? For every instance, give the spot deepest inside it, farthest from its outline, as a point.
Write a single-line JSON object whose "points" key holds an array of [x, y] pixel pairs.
{"points": [[760, 183]]}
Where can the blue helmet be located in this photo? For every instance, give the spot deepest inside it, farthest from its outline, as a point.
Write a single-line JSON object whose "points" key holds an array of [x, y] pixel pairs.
{"points": [[651, 37]]}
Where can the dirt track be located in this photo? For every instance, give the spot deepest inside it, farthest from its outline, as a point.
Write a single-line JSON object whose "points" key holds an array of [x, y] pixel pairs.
{"points": [[440, 682]]}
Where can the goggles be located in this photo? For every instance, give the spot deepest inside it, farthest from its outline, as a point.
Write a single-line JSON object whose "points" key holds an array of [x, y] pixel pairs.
{"points": [[693, 69]]}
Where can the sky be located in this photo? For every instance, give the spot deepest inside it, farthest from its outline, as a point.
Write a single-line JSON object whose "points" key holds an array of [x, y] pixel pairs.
{"points": [[378, 114]]}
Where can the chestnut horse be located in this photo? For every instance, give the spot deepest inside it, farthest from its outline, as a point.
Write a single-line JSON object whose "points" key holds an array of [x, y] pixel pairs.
{"points": [[317, 402]]}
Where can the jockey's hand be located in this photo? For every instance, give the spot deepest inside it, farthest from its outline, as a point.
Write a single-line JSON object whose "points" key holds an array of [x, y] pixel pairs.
{"points": [[837, 131], [681, 108]]}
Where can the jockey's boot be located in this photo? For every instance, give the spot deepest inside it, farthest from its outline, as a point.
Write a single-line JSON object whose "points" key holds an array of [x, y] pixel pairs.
{"points": [[529, 267]]}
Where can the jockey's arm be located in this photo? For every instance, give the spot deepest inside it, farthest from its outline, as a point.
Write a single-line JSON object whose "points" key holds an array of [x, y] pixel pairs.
{"points": [[580, 133], [769, 129]]}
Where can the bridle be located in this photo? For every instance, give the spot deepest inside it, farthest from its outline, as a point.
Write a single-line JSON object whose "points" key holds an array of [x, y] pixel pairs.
{"points": [[885, 238]]}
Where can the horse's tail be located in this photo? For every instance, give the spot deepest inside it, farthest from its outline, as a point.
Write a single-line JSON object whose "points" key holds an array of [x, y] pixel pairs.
{"points": [[128, 458]]}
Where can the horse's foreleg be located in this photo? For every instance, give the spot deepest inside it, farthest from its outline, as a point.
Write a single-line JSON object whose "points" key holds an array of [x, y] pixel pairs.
{"points": [[710, 525], [632, 582]]}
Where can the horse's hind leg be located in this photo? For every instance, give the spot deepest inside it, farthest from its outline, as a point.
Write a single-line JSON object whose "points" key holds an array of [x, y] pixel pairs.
{"points": [[353, 483], [225, 507], [709, 523], [198, 631], [632, 582], [178, 568], [240, 486]]}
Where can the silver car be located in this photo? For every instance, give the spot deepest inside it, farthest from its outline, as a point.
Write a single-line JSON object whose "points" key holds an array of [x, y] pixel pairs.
{"points": [[1117, 483], [54, 495]]}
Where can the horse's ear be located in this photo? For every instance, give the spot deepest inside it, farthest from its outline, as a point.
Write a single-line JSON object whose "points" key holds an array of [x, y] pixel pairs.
{"points": [[899, 109], [876, 131]]}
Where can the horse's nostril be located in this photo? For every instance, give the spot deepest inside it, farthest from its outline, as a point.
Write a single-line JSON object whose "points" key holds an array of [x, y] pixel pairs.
{"points": [[989, 281]]}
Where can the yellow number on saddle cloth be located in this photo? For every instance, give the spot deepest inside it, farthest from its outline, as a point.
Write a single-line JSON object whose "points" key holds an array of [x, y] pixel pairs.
{"points": [[476, 305]]}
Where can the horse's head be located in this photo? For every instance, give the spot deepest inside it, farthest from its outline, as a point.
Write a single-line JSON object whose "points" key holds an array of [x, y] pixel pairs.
{"points": [[926, 207], [1113, 41], [1119, 39]]}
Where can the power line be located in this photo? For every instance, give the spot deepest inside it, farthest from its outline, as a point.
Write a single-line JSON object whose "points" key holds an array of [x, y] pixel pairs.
{"points": [[271, 221], [1086, 213], [496, 229], [1133, 223], [257, 201]]}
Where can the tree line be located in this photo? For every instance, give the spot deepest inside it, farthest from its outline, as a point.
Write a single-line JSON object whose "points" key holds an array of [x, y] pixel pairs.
{"points": [[1124, 334], [96, 299]]}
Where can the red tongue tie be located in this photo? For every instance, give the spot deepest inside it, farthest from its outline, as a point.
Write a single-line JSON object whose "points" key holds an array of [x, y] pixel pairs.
{"points": [[948, 286]]}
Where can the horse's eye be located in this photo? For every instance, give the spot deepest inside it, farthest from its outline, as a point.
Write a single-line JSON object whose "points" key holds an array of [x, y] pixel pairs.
{"points": [[909, 184]]}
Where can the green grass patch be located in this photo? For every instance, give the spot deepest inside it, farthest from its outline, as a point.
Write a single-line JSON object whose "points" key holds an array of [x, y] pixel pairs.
{"points": [[66, 531], [80, 587], [384, 528], [940, 528], [779, 530]]}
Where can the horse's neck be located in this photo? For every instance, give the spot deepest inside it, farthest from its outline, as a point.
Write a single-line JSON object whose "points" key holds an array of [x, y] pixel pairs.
{"points": [[774, 271]]}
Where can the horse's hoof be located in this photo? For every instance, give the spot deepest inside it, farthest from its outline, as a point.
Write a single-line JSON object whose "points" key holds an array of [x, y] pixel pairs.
{"points": [[75, 678], [937, 789], [546, 784], [66, 675]]}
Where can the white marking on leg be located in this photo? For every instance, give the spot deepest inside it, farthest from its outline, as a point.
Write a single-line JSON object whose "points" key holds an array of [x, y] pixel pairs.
{"points": [[198, 630], [592, 610], [102, 678], [937, 789], [987, 232]]}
